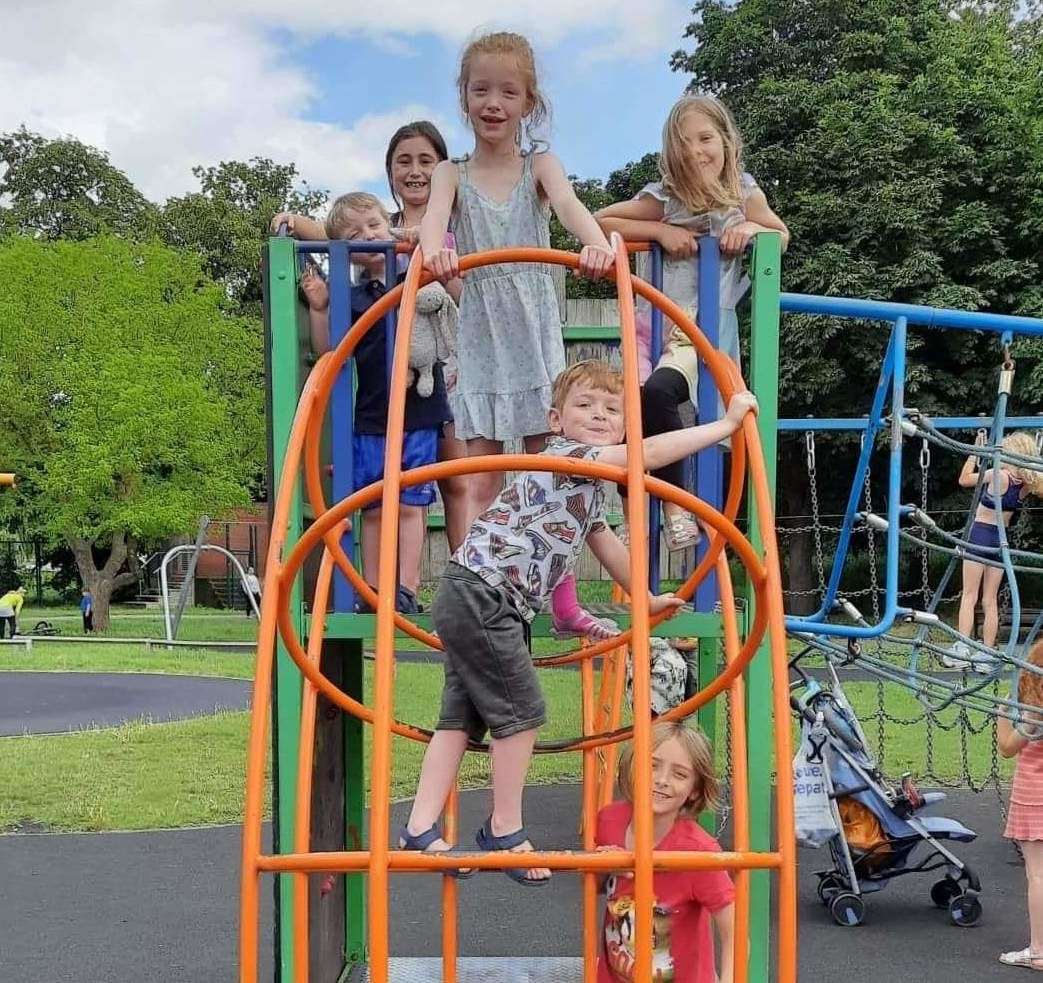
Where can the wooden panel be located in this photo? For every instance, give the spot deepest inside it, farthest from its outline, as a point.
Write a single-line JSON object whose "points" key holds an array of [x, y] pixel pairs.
{"points": [[326, 895]]}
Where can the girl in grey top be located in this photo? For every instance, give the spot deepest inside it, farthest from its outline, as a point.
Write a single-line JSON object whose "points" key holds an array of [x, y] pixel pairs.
{"points": [[704, 191], [509, 341]]}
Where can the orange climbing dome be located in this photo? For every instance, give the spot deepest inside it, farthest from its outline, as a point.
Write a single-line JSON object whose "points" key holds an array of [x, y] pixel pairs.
{"points": [[762, 571]]}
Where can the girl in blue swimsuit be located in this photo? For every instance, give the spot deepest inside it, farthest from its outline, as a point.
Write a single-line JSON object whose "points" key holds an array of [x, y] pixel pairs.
{"points": [[1011, 484]]}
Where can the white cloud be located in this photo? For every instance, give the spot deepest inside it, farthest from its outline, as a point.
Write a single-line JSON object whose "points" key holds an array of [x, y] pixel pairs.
{"points": [[161, 93], [638, 29], [162, 85]]}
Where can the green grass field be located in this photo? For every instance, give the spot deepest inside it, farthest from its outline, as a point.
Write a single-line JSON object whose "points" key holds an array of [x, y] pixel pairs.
{"points": [[191, 772]]}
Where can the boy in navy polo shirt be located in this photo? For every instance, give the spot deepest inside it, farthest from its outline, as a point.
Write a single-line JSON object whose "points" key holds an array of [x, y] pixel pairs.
{"points": [[361, 216]]}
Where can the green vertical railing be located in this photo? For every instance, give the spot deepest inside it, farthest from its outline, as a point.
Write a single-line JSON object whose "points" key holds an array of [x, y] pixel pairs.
{"points": [[282, 358], [764, 382], [355, 783], [709, 662]]}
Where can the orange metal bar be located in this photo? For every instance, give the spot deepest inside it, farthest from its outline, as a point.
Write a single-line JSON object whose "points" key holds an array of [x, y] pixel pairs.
{"points": [[610, 709], [449, 897], [415, 862], [704, 512], [638, 588], [740, 814], [253, 806], [7, 479], [590, 804], [717, 364], [770, 595], [383, 683]]}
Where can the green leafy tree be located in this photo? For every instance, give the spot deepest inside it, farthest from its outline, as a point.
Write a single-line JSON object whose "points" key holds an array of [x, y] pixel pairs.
{"points": [[226, 221], [624, 183], [901, 141], [590, 191], [128, 399], [63, 189]]}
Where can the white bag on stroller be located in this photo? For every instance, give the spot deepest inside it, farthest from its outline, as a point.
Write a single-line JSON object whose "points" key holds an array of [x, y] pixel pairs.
{"points": [[813, 811]]}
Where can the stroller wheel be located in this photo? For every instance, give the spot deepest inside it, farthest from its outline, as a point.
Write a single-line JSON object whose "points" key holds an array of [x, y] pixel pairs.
{"points": [[828, 888], [964, 910], [847, 910], [943, 891]]}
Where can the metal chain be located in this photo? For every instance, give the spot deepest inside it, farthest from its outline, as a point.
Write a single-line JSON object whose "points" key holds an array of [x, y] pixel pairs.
{"points": [[874, 595], [724, 814], [809, 449]]}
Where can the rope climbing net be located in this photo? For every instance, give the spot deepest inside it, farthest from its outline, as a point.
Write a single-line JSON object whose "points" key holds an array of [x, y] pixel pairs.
{"points": [[960, 683]]}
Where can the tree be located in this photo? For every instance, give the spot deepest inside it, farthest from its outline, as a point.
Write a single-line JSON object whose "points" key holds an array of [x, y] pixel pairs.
{"points": [[128, 399], [227, 220], [624, 183], [901, 141], [63, 189]]}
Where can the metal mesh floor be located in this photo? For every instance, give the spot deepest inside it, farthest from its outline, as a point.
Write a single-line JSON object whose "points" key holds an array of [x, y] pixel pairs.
{"points": [[505, 969]]}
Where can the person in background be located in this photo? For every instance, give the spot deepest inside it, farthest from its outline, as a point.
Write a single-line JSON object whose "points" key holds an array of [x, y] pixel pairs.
{"points": [[10, 609], [87, 611], [252, 588]]}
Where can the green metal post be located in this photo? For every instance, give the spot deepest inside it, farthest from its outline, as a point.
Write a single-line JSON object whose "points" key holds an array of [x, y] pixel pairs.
{"points": [[706, 715], [354, 806], [282, 358], [764, 382]]}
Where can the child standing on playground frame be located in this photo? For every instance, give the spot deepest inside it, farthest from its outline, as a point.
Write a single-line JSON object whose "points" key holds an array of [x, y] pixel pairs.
{"points": [[513, 557], [510, 344], [1013, 484], [413, 152], [361, 216], [703, 191], [1025, 814], [683, 784]]}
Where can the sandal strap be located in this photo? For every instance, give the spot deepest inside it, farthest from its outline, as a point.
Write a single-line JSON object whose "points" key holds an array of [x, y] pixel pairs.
{"points": [[421, 841], [508, 841], [1021, 957]]}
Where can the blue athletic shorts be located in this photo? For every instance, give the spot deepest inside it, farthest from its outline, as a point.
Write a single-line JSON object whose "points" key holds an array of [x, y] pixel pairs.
{"points": [[419, 447], [983, 534]]}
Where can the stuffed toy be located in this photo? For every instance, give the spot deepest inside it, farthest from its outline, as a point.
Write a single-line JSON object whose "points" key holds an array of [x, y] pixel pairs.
{"points": [[434, 335]]}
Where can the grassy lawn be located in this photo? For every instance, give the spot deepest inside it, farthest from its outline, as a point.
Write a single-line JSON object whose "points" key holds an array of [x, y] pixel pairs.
{"points": [[187, 773], [197, 624], [190, 772], [73, 657]]}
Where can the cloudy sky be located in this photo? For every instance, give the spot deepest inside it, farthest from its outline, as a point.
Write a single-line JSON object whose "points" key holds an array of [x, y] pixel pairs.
{"points": [[162, 85]]}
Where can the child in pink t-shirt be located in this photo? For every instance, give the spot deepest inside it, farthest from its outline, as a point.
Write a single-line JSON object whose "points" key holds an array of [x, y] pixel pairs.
{"points": [[1025, 816], [685, 902]]}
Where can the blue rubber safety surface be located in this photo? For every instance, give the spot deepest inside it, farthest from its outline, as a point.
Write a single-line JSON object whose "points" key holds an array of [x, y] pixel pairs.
{"points": [[57, 702], [162, 906]]}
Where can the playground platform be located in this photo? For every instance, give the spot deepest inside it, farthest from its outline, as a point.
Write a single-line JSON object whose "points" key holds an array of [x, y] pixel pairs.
{"points": [[161, 907]]}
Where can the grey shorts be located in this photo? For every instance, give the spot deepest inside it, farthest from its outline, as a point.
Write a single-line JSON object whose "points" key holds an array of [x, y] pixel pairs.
{"points": [[490, 681]]}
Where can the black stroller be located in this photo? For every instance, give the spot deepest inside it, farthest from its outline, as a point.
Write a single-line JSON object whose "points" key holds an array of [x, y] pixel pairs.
{"points": [[880, 826]]}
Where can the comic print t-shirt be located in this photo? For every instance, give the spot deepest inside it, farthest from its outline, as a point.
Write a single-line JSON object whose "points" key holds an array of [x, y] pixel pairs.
{"points": [[533, 534], [683, 902]]}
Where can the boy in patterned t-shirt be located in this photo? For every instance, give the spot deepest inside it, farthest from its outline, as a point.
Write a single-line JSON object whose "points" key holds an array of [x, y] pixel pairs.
{"points": [[514, 555]]}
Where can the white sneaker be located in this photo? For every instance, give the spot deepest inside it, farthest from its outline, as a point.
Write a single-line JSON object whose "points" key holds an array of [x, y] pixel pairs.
{"points": [[960, 657], [983, 663]]}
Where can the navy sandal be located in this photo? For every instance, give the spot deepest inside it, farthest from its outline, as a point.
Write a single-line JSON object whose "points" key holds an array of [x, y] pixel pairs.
{"points": [[422, 841], [485, 839]]}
